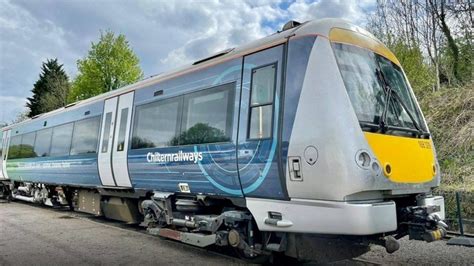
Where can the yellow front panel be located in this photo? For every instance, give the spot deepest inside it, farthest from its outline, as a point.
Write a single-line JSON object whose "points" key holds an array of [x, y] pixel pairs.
{"points": [[409, 160]]}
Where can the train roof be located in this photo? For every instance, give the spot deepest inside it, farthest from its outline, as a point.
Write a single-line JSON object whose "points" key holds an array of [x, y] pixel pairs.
{"points": [[291, 29]]}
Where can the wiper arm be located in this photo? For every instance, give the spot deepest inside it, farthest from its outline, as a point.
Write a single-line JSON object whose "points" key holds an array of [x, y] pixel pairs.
{"points": [[372, 126], [381, 79], [399, 100], [391, 92], [405, 129]]}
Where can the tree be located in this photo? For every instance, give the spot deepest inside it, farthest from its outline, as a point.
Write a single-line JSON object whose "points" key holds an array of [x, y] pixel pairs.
{"points": [[57, 96], [440, 30], [439, 11], [109, 65], [20, 117], [52, 82], [418, 72], [200, 133], [466, 65], [431, 39]]}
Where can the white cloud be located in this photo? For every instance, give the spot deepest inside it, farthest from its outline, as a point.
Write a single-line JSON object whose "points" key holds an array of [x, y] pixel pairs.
{"points": [[349, 10], [164, 34], [225, 25], [11, 106], [25, 42]]}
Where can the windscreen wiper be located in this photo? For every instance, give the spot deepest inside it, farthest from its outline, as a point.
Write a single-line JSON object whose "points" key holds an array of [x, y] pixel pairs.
{"points": [[390, 92], [397, 97], [382, 124], [372, 126]]}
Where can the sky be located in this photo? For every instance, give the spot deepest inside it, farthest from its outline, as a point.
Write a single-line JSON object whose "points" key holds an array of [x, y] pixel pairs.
{"points": [[164, 34]]}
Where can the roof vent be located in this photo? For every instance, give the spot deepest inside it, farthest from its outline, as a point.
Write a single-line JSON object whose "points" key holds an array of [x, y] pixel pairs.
{"points": [[71, 104], [290, 24], [221, 53]]}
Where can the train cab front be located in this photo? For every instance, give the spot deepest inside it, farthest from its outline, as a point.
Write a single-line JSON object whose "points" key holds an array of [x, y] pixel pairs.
{"points": [[361, 162], [400, 150]]}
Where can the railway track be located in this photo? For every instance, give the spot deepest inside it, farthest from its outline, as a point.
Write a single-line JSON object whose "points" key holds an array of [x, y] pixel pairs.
{"points": [[451, 234], [364, 262]]}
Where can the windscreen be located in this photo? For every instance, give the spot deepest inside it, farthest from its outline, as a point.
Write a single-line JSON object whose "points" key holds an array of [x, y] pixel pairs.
{"points": [[378, 90]]}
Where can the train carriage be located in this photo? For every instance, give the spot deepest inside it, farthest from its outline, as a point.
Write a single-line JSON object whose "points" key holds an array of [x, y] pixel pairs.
{"points": [[306, 137]]}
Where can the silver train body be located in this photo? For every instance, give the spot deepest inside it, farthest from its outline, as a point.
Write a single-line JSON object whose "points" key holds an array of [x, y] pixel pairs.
{"points": [[347, 171]]}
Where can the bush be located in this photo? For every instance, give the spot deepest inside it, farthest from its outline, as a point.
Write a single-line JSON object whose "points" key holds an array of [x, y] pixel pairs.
{"points": [[450, 116], [420, 74]]}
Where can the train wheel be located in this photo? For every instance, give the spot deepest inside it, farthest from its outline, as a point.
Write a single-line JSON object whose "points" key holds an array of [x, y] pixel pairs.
{"points": [[5, 193]]}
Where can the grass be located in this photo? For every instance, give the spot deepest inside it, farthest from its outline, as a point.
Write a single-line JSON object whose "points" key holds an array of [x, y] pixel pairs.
{"points": [[450, 116]]}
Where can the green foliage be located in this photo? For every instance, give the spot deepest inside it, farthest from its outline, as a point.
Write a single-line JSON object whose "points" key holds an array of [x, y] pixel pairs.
{"points": [[467, 208], [450, 116], [14, 152], [109, 65], [57, 95], [466, 61], [420, 74], [50, 90], [200, 133], [21, 151]]}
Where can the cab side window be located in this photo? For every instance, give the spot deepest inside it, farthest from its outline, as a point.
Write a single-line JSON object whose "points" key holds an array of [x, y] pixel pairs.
{"points": [[261, 102]]}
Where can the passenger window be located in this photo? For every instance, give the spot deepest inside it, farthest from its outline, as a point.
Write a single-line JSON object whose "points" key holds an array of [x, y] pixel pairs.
{"points": [[43, 142], [61, 140], [156, 124], [261, 102], [106, 135], [122, 129], [1, 144], [27, 145], [86, 133], [15, 147], [207, 116]]}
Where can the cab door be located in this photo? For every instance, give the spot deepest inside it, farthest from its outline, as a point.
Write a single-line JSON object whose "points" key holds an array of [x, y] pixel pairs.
{"points": [[258, 140], [113, 145]]}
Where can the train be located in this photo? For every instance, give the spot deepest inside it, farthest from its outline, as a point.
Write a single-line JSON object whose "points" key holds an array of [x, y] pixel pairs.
{"points": [[308, 143]]}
